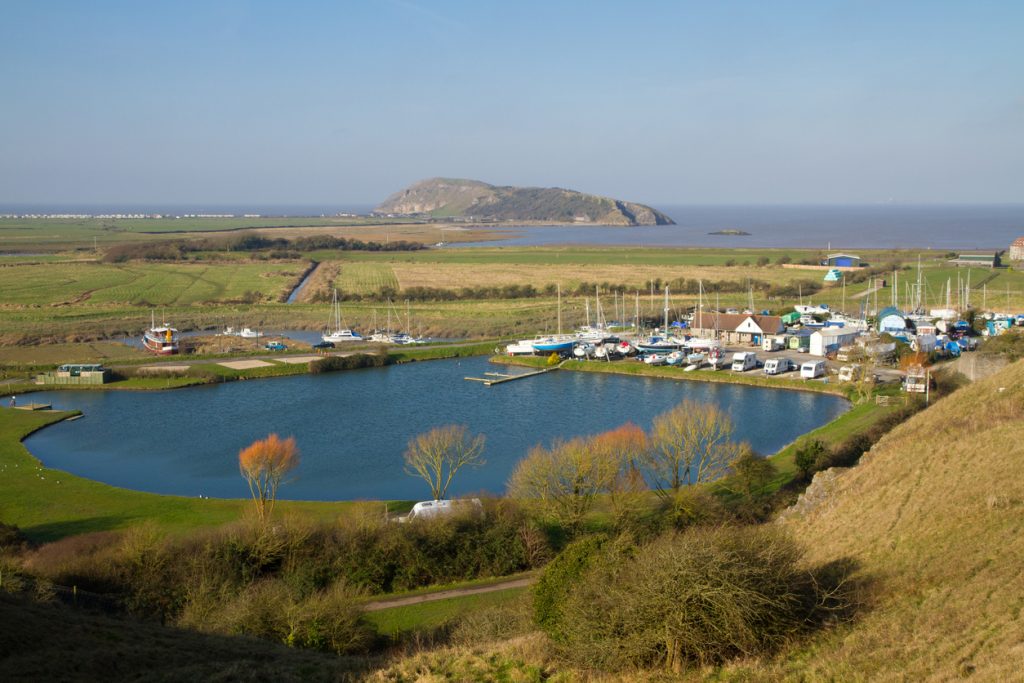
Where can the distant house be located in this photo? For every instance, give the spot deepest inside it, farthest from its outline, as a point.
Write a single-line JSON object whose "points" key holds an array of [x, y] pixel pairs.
{"points": [[1017, 249], [981, 259], [736, 328], [842, 261]]}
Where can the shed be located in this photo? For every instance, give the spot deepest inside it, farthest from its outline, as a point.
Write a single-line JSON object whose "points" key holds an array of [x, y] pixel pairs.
{"points": [[982, 259], [843, 261], [75, 373], [800, 339], [829, 339]]}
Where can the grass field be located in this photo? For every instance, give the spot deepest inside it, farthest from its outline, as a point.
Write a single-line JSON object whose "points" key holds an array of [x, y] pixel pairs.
{"points": [[135, 284], [396, 621], [365, 277]]}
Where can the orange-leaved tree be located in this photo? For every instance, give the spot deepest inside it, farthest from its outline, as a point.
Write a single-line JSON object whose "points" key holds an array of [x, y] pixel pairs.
{"points": [[264, 464]]}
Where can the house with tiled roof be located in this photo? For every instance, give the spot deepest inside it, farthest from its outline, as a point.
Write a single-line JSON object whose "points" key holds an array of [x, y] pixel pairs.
{"points": [[733, 328], [1017, 249]]}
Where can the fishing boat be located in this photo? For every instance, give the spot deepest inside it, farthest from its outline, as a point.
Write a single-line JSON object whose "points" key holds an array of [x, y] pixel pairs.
{"points": [[161, 339], [336, 333], [248, 333], [655, 359]]}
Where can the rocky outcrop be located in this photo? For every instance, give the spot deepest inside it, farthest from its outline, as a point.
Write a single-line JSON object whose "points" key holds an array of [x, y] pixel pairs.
{"points": [[474, 200]]}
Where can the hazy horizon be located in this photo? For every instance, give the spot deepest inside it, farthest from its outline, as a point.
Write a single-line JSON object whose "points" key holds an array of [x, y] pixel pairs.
{"points": [[234, 102]]}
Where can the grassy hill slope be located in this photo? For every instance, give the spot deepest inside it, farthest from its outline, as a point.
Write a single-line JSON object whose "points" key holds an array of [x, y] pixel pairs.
{"points": [[935, 515], [51, 642]]}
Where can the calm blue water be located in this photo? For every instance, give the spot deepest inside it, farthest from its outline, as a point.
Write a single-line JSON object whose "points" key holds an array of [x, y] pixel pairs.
{"points": [[352, 427], [844, 227]]}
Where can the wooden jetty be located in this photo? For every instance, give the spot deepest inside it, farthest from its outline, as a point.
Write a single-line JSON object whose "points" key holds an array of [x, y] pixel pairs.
{"points": [[492, 378], [34, 406]]}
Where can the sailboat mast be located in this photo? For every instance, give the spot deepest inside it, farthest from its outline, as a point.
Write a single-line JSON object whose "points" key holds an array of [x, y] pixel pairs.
{"points": [[666, 310], [559, 286]]}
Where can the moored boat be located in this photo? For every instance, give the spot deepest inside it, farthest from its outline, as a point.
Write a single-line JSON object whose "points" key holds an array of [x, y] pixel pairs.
{"points": [[554, 344], [162, 339], [339, 333]]}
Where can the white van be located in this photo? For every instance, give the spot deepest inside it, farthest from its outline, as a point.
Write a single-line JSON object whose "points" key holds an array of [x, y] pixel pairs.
{"points": [[777, 366], [743, 361], [812, 369], [430, 509]]}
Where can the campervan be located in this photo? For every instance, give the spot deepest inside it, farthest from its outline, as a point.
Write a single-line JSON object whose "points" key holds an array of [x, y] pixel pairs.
{"points": [[430, 509], [743, 361], [812, 369], [773, 343]]}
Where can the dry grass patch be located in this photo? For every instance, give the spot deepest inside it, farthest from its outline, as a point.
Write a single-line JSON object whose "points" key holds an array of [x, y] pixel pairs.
{"points": [[936, 510], [456, 275]]}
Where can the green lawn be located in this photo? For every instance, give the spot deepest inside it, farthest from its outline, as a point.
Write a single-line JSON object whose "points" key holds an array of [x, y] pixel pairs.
{"points": [[48, 504]]}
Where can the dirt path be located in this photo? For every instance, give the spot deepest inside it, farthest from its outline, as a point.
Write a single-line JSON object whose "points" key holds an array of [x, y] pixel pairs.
{"points": [[444, 595], [866, 292]]}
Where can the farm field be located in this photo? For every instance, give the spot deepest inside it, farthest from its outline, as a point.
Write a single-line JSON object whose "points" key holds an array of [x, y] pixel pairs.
{"points": [[50, 234], [144, 284], [77, 300]]}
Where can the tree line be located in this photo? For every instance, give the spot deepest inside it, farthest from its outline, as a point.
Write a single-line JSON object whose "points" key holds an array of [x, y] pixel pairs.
{"points": [[273, 247]]}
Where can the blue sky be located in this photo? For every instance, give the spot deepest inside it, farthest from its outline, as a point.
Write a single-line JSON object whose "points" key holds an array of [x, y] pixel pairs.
{"points": [[821, 101]]}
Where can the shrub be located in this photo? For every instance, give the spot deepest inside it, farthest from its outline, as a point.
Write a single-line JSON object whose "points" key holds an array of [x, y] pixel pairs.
{"points": [[807, 456], [702, 597], [558, 578], [12, 540], [330, 620]]}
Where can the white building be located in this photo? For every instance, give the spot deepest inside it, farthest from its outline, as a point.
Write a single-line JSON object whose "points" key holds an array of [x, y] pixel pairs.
{"points": [[830, 339]]}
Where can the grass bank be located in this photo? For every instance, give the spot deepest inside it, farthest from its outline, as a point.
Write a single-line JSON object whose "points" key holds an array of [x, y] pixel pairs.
{"points": [[48, 504]]}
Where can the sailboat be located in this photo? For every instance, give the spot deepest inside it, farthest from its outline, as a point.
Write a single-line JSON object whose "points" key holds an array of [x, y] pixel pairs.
{"points": [[338, 333], [558, 343], [663, 342], [162, 340]]}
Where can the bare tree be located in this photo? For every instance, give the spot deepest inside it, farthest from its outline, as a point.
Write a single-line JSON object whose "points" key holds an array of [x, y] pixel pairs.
{"points": [[623, 448], [264, 464], [437, 455], [563, 480], [689, 444]]}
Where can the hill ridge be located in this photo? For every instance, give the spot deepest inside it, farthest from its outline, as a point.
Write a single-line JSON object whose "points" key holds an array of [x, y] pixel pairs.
{"points": [[463, 198]]}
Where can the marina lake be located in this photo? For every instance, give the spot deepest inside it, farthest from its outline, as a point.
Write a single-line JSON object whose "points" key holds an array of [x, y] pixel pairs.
{"points": [[352, 427]]}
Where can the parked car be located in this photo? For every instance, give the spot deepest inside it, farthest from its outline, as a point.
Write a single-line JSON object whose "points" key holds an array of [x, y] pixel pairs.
{"points": [[275, 346], [323, 345]]}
